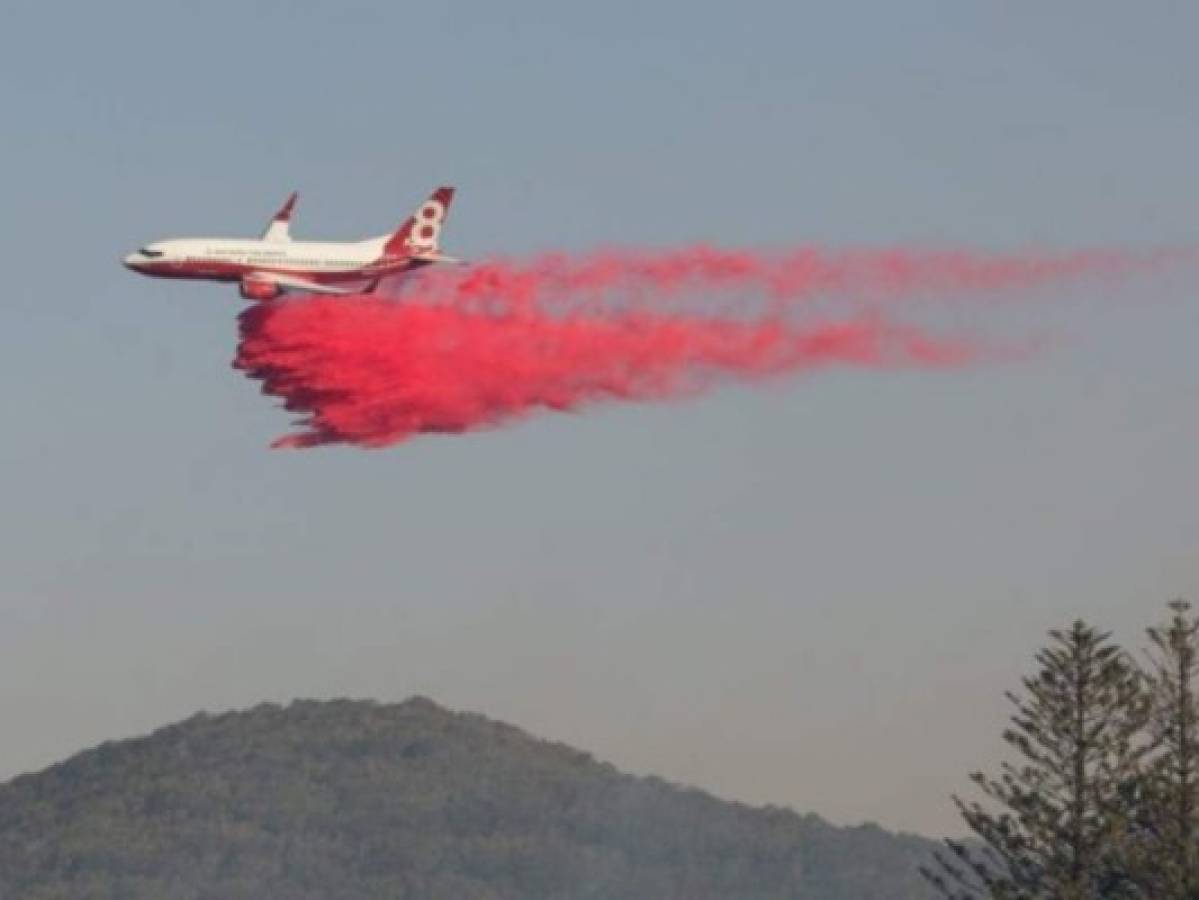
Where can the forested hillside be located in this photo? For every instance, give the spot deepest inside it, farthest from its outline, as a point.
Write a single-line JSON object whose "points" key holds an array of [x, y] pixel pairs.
{"points": [[360, 801]]}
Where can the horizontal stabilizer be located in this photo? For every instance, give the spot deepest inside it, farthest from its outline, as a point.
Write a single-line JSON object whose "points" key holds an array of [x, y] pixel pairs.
{"points": [[440, 258]]}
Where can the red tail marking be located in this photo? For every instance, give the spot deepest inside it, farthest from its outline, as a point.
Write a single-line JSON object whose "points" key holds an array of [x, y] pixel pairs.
{"points": [[412, 237]]}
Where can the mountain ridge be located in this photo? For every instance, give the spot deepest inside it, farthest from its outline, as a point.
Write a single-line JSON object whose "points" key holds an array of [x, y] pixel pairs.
{"points": [[362, 800]]}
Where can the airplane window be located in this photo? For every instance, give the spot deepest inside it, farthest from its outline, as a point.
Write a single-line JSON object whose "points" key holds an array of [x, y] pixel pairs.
{"points": [[146, 251]]}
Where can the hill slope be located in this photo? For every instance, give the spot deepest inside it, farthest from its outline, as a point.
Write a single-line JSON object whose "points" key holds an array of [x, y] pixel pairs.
{"points": [[360, 801]]}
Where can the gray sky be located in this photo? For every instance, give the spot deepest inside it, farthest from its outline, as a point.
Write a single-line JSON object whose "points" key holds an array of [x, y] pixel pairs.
{"points": [[811, 593]]}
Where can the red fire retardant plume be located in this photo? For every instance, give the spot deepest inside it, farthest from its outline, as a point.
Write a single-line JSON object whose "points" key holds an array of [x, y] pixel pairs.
{"points": [[372, 372], [473, 348]]}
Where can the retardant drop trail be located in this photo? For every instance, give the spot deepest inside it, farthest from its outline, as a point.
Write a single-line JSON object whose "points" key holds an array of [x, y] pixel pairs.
{"points": [[477, 347], [373, 372]]}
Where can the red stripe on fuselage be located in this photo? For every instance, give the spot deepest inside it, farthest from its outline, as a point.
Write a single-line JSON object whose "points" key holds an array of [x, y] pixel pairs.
{"points": [[219, 270]]}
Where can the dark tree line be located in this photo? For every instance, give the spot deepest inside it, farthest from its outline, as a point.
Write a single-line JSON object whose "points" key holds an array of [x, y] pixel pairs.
{"points": [[1102, 800]]}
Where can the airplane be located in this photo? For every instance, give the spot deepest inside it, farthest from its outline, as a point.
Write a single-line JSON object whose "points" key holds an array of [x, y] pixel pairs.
{"points": [[274, 263]]}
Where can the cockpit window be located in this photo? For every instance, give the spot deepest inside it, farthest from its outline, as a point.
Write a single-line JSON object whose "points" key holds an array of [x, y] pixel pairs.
{"points": [[146, 251]]}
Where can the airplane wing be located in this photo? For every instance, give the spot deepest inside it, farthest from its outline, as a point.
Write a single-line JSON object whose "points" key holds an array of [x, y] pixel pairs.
{"points": [[296, 283], [279, 227]]}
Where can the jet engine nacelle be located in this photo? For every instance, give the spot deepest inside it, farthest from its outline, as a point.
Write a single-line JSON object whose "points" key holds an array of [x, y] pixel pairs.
{"points": [[257, 289]]}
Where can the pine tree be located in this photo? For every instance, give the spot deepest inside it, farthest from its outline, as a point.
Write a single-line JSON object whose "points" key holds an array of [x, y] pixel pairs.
{"points": [[1165, 852], [1061, 826]]}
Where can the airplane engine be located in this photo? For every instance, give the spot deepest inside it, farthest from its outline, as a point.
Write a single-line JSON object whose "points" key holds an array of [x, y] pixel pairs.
{"points": [[254, 289]]}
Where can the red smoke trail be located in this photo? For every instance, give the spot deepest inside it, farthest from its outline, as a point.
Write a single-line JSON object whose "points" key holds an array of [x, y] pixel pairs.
{"points": [[793, 275], [477, 347], [372, 372]]}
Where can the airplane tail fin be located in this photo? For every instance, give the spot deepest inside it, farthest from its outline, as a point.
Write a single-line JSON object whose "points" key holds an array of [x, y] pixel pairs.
{"points": [[420, 234]]}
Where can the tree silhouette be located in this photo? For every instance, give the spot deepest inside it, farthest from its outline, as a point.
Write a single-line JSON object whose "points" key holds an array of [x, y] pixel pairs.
{"points": [[1061, 826], [1163, 855]]}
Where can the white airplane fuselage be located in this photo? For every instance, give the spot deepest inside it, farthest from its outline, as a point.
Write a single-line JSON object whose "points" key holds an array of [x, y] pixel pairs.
{"points": [[267, 266]]}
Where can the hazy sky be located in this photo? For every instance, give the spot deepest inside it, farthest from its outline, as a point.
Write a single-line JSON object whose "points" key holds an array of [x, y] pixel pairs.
{"points": [[812, 593]]}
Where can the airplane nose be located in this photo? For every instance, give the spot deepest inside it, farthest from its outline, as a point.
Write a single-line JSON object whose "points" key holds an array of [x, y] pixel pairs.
{"points": [[131, 261]]}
